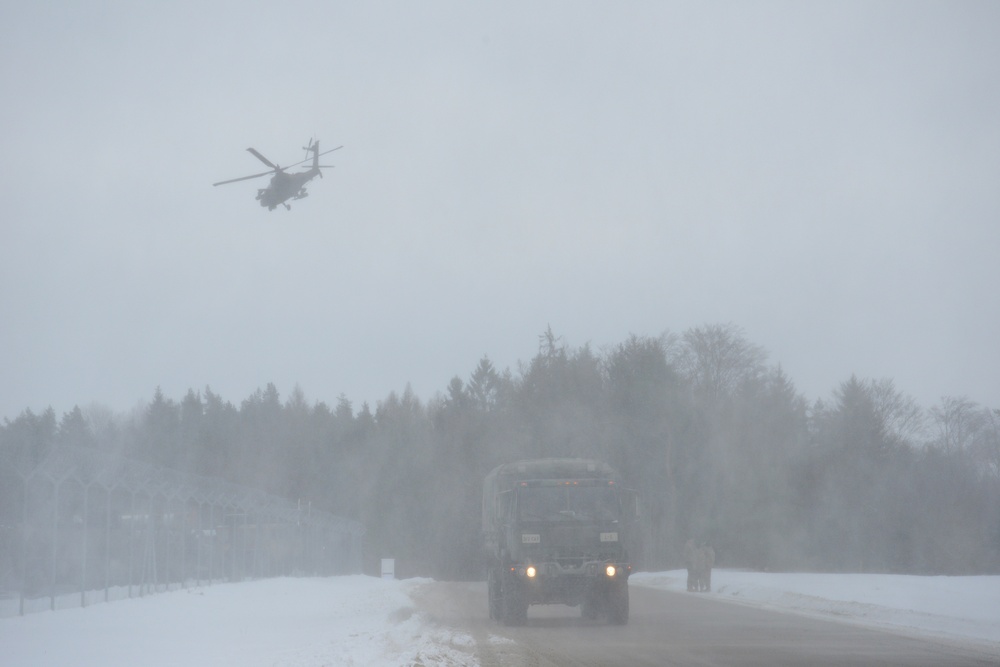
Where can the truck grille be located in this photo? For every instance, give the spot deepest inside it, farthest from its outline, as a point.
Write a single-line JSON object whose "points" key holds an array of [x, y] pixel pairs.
{"points": [[572, 546]]}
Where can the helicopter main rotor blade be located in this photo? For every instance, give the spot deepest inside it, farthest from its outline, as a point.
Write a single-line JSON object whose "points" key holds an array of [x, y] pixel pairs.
{"points": [[244, 178], [262, 158], [295, 164], [331, 150]]}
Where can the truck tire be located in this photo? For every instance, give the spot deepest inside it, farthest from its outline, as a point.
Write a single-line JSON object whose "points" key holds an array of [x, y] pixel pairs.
{"points": [[594, 603], [617, 603], [495, 593], [513, 605]]}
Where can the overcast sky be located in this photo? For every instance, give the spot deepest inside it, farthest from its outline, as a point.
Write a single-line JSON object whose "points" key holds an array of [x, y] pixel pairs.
{"points": [[824, 175]]}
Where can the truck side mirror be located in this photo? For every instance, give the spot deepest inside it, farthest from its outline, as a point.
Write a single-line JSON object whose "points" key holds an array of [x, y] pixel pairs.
{"points": [[503, 506]]}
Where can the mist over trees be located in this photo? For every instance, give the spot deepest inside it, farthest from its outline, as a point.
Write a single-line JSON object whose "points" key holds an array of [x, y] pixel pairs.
{"points": [[718, 443]]}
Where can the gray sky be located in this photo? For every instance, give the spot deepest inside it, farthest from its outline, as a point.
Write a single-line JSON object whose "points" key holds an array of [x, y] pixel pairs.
{"points": [[824, 175]]}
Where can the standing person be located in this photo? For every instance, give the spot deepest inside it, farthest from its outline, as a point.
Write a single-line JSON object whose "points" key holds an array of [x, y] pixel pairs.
{"points": [[705, 560], [690, 562]]}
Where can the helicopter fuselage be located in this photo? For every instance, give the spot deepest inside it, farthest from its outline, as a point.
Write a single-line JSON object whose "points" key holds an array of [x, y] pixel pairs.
{"points": [[284, 187]]}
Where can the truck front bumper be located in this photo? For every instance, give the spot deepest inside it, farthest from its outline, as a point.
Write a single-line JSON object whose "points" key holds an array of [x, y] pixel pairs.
{"points": [[545, 583], [609, 570]]}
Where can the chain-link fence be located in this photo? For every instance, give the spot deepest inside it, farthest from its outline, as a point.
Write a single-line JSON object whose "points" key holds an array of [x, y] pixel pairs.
{"points": [[82, 526]]}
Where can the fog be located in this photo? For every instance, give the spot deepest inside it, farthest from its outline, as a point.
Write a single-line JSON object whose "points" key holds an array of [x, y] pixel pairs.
{"points": [[746, 253], [824, 176], [715, 438]]}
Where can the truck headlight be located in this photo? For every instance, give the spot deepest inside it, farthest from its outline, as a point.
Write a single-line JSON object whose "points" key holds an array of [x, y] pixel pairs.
{"points": [[610, 570], [530, 572]]}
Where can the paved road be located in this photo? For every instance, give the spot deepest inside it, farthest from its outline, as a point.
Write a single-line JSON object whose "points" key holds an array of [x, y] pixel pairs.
{"points": [[669, 628]]}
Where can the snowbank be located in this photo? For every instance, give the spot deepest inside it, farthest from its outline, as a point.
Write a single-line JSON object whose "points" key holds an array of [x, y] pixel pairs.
{"points": [[958, 607], [360, 620], [353, 620]]}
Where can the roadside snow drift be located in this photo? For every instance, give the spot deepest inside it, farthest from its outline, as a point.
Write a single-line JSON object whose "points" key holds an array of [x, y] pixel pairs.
{"points": [[957, 607], [353, 620]]}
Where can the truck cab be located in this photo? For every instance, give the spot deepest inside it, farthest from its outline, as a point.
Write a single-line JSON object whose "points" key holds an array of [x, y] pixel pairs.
{"points": [[556, 533]]}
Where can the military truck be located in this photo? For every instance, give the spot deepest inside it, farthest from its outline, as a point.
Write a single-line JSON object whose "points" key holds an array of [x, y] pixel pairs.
{"points": [[555, 532]]}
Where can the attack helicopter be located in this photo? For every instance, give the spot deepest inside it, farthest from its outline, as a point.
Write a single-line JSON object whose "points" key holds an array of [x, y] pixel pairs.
{"points": [[284, 186]]}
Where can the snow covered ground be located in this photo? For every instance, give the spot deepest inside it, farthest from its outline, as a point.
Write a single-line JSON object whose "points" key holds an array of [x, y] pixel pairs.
{"points": [[352, 620], [358, 620], [946, 607]]}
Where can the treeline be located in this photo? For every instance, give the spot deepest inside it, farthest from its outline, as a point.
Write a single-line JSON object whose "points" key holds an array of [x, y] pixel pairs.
{"points": [[718, 442]]}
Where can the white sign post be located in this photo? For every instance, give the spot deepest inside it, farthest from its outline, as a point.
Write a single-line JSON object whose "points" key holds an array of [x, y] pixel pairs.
{"points": [[388, 568]]}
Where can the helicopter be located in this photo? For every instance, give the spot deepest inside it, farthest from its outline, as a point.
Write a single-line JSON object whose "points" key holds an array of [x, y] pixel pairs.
{"points": [[284, 186]]}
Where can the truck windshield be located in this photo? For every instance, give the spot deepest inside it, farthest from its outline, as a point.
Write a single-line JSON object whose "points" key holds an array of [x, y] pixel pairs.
{"points": [[567, 503]]}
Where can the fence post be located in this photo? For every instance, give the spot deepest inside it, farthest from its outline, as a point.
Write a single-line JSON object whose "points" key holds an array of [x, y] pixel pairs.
{"points": [[107, 544], [55, 544], [83, 539], [24, 544]]}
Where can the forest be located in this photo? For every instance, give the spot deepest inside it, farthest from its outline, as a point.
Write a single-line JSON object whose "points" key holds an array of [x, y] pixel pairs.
{"points": [[717, 441]]}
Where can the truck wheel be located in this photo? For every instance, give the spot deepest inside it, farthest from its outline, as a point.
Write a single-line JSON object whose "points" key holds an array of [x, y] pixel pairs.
{"points": [[618, 604], [513, 605], [495, 594]]}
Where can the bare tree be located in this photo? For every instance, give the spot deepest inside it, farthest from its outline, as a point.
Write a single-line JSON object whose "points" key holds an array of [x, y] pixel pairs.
{"points": [[717, 359], [959, 422], [902, 419], [986, 445]]}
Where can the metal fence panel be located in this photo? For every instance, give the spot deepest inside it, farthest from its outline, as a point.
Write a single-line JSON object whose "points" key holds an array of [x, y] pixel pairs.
{"points": [[83, 526]]}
